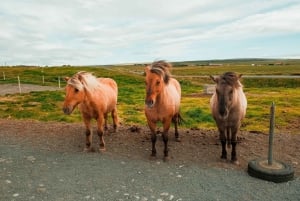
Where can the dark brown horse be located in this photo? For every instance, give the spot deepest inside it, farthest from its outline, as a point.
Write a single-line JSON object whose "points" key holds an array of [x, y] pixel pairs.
{"points": [[228, 106], [163, 94], [95, 97]]}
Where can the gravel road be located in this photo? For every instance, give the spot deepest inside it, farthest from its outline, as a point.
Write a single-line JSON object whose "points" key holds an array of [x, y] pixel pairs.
{"points": [[30, 174]]}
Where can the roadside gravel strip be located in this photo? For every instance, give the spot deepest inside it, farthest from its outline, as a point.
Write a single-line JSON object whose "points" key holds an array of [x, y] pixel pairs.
{"points": [[29, 174], [25, 88]]}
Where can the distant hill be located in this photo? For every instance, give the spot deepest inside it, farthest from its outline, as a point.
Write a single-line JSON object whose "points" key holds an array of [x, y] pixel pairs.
{"points": [[245, 61]]}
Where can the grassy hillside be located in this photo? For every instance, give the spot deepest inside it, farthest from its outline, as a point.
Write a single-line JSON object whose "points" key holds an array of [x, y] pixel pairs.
{"points": [[46, 106]]}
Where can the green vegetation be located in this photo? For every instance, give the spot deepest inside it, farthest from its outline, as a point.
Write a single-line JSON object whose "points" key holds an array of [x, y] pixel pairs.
{"points": [[260, 92]]}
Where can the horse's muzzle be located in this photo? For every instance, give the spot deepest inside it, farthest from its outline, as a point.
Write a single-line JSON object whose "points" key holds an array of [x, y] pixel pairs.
{"points": [[67, 110], [149, 103]]}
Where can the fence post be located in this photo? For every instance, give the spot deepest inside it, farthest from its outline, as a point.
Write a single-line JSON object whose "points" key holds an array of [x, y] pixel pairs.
{"points": [[3, 75], [59, 82], [43, 80], [19, 83]]}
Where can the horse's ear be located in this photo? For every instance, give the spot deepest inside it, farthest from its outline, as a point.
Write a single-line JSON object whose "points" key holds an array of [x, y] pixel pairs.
{"points": [[213, 78], [66, 79], [240, 76], [146, 70], [80, 77]]}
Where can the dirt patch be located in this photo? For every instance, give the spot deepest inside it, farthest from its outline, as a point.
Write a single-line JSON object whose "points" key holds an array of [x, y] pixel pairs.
{"points": [[201, 147]]}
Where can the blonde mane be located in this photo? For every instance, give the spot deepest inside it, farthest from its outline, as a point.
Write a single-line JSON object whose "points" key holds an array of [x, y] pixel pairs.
{"points": [[84, 80]]}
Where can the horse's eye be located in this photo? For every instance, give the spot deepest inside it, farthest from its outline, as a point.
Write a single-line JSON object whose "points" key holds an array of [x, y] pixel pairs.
{"points": [[76, 90], [157, 83]]}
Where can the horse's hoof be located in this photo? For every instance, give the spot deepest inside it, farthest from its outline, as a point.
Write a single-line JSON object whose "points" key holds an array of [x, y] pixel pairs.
{"points": [[224, 157], [88, 149], [235, 162], [166, 158], [152, 157], [102, 149], [178, 139]]}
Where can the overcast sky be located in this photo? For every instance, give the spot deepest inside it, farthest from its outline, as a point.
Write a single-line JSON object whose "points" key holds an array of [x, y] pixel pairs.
{"points": [[88, 32]]}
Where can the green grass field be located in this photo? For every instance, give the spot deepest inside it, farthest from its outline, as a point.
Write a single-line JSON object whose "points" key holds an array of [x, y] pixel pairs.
{"points": [[46, 106]]}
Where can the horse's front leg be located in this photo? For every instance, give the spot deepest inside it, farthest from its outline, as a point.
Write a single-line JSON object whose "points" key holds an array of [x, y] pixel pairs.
{"points": [[233, 144], [152, 126], [166, 126], [88, 134], [100, 131], [223, 142]]}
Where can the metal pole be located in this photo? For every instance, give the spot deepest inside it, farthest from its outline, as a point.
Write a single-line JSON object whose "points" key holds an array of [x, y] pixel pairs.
{"points": [[271, 133]]}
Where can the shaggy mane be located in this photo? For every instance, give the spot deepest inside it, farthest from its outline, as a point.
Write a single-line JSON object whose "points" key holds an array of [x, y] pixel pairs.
{"points": [[83, 80], [161, 68]]}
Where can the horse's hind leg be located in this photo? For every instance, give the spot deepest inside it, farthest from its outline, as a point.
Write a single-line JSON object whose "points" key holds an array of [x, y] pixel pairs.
{"points": [[105, 122], [176, 122], [165, 138], [114, 116], [100, 132]]}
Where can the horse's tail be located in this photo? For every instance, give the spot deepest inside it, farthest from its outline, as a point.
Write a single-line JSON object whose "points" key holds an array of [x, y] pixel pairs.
{"points": [[177, 119]]}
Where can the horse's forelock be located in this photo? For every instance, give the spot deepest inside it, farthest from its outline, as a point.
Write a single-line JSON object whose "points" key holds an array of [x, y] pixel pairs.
{"points": [[231, 79], [160, 72], [75, 82], [161, 68], [84, 80]]}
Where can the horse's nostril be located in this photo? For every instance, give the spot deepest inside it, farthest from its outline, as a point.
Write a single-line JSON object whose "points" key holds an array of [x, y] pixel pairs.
{"points": [[149, 103], [66, 110]]}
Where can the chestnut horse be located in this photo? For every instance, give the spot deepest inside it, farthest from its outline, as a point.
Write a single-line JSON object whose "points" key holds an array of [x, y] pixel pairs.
{"points": [[162, 101], [95, 97], [228, 106]]}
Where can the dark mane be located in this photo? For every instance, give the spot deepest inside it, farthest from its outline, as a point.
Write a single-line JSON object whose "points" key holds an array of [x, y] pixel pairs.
{"points": [[231, 79], [161, 68]]}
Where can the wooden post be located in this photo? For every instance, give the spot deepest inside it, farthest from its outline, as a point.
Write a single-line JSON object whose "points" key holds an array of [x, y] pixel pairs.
{"points": [[271, 134], [43, 79], [3, 75], [58, 82], [19, 83]]}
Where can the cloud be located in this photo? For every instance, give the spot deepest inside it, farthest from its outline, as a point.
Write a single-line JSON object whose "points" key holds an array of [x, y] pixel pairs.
{"points": [[112, 31]]}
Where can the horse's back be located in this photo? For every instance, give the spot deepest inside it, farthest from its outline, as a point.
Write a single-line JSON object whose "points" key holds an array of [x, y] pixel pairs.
{"points": [[174, 93], [242, 102], [109, 91], [109, 82]]}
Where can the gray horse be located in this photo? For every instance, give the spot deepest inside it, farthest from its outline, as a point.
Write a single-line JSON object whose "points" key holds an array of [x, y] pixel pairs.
{"points": [[228, 106]]}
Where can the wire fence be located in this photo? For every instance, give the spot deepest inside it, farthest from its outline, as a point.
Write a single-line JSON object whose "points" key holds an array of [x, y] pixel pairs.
{"points": [[42, 80]]}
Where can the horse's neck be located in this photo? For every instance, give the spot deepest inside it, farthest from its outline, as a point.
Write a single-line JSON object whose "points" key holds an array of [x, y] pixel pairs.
{"points": [[168, 95], [91, 94]]}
